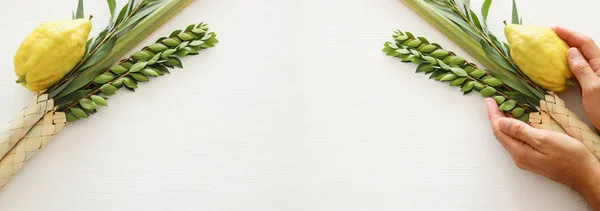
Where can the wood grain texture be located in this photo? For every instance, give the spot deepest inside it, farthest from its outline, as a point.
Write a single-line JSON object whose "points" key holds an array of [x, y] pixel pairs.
{"points": [[296, 109]]}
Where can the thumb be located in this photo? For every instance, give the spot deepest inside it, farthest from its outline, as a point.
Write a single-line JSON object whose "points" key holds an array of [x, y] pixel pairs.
{"points": [[581, 68], [520, 130]]}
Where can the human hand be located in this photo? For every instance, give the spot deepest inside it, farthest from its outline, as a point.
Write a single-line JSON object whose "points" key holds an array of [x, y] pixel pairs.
{"points": [[584, 60], [548, 153]]}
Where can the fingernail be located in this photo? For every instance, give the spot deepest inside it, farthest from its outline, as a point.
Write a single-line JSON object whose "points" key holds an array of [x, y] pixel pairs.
{"points": [[504, 124], [574, 53]]}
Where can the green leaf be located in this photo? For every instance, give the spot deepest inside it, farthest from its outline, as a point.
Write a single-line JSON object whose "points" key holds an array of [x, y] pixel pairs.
{"points": [[161, 68], [190, 27], [485, 9], [88, 104], [98, 39], [171, 42], [515, 13], [430, 60], [507, 49], [116, 20], [71, 117], [79, 113], [104, 78], [448, 77], [139, 15], [499, 99], [127, 64], [439, 77], [181, 53], [138, 66], [460, 22], [173, 62], [498, 44], [458, 81], [439, 53], [196, 43], [478, 86], [141, 56], [455, 61], [117, 83], [60, 88], [149, 72], [102, 52], [468, 86], [175, 33], [518, 112], [108, 89], [87, 46], [422, 66], [191, 51], [402, 51], [436, 74], [118, 69], [488, 91], [183, 45], [198, 31], [99, 100], [206, 36], [489, 80], [157, 71], [158, 47], [508, 105], [131, 4], [112, 4], [519, 97], [129, 83], [154, 59], [427, 48], [476, 21], [443, 65], [139, 77], [495, 56], [79, 10], [459, 71], [469, 69], [534, 90], [168, 53], [185, 36]]}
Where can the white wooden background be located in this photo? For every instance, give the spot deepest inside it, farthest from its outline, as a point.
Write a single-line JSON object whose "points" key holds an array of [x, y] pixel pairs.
{"points": [[296, 109]]}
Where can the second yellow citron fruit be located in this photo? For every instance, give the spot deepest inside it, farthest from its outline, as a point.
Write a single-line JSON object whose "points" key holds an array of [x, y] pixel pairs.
{"points": [[541, 55], [50, 51]]}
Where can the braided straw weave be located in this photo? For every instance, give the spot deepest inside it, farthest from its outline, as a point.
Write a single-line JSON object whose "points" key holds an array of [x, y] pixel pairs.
{"points": [[555, 116], [12, 132], [43, 132]]}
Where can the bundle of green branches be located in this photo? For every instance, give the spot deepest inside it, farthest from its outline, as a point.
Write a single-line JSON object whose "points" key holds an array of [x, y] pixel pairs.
{"points": [[501, 79], [99, 74]]}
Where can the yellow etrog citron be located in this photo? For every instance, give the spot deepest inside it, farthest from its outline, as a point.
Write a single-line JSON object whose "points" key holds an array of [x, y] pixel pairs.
{"points": [[49, 52], [541, 55]]}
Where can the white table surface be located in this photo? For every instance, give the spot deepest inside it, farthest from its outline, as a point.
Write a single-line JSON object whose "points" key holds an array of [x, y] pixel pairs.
{"points": [[296, 109]]}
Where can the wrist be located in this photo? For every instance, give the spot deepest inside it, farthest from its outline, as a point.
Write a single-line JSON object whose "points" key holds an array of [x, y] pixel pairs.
{"points": [[589, 186]]}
